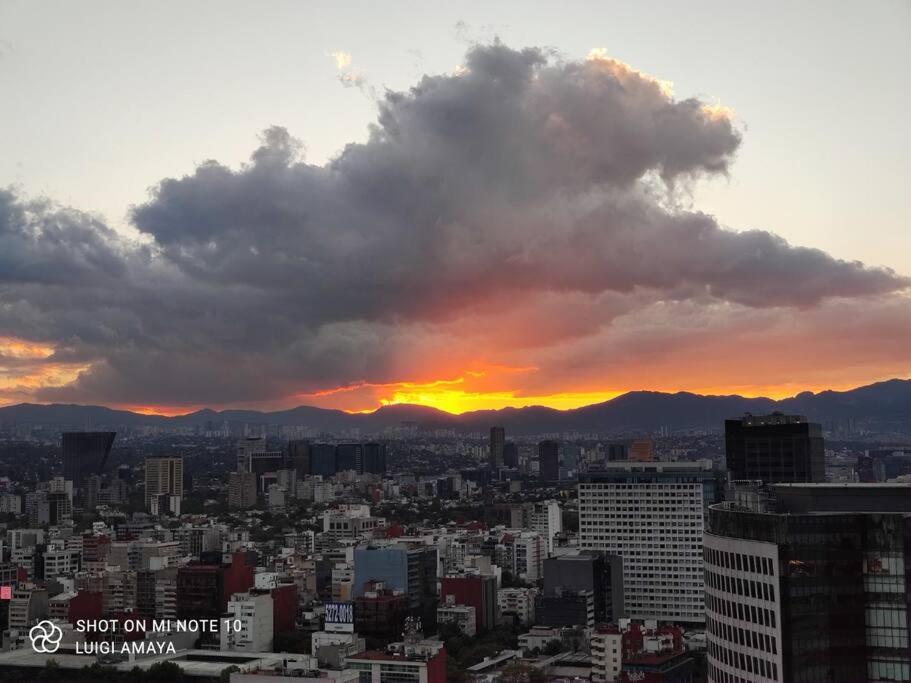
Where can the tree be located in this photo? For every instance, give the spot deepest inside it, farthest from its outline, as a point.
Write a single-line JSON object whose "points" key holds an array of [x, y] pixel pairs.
{"points": [[50, 672], [516, 672], [225, 675], [554, 647], [165, 671]]}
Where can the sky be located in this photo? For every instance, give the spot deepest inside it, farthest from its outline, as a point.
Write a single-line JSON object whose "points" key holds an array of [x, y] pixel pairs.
{"points": [[469, 205]]}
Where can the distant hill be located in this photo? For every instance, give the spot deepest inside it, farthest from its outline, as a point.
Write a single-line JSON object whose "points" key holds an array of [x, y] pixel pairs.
{"points": [[882, 408]]}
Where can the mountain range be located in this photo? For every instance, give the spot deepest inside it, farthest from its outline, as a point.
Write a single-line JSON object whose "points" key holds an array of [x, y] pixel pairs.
{"points": [[882, 409]]}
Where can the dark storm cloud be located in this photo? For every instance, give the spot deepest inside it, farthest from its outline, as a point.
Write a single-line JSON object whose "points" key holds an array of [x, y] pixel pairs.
{"points": [[520, 174], [43, 245]]}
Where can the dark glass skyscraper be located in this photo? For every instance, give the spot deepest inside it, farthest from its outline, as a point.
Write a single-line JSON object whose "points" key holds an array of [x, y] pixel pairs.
{"points": [[809, 584], [497, 441], [549, 460], [85, 454], [322, 459], [588, 570], [774, 448], [374, 458], [299, 457], [349, 456], [510, 454]]}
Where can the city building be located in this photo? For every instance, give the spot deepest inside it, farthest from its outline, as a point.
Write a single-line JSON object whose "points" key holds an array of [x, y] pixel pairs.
{"points": [[809, 584], [28, 604], [163, 477], [774, 448], [322, 459], [410, 569], [241, 490], [85, 454], [510, 455], [374, 458], [565, 608], [549, 460], [593, 571], [528, 550], [495, 447], [299, 457], [246, 448], [607, 653], [631, 653], [652, 515], [461, 616], [414, 660], [380, 611], [350, 522], [349, 456], [473, 590], [547, 520], [517, 605], [642, 450], [252, 612]]}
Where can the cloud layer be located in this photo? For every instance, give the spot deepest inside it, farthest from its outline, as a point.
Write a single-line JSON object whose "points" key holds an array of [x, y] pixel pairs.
{"points": [[508, 228]]}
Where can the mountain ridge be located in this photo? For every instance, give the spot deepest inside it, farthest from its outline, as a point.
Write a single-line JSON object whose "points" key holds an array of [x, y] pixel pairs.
{"points": [[882, 406]]}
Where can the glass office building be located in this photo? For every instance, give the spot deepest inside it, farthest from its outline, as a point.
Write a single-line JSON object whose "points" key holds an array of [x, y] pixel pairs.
{"points": [[809, 585]]}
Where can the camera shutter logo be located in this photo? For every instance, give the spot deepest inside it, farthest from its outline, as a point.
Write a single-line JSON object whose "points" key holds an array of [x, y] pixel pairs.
{"points": [[45, 637]]}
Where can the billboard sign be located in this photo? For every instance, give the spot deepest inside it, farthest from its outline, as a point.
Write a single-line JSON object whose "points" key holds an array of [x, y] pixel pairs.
{"points": [[339, 617]]}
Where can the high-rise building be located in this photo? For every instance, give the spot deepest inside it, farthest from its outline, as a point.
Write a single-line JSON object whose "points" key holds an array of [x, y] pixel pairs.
{"points": [[549, 460], [510, 454], [588, 570], [410, 569], [349, 456], [164, 477], [85, 454], [241, 489], [299, 457], [253, 613], [810, 584], [374, 458], [652, 515], [246, 448], [547, 520], [497, 441], [616, 451], [774, 448], [322, 459]]}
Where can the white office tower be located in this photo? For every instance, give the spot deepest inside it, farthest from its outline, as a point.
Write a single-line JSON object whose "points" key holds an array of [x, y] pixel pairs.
{"points": [[652, 514], [547, 520], [252, 613]]}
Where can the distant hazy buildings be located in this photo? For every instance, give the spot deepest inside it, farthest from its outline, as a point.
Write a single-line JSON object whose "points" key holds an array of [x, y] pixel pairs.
{"points": [[651, 514], [774, 448], [327, 459], [85, 454], [642, 450]]}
